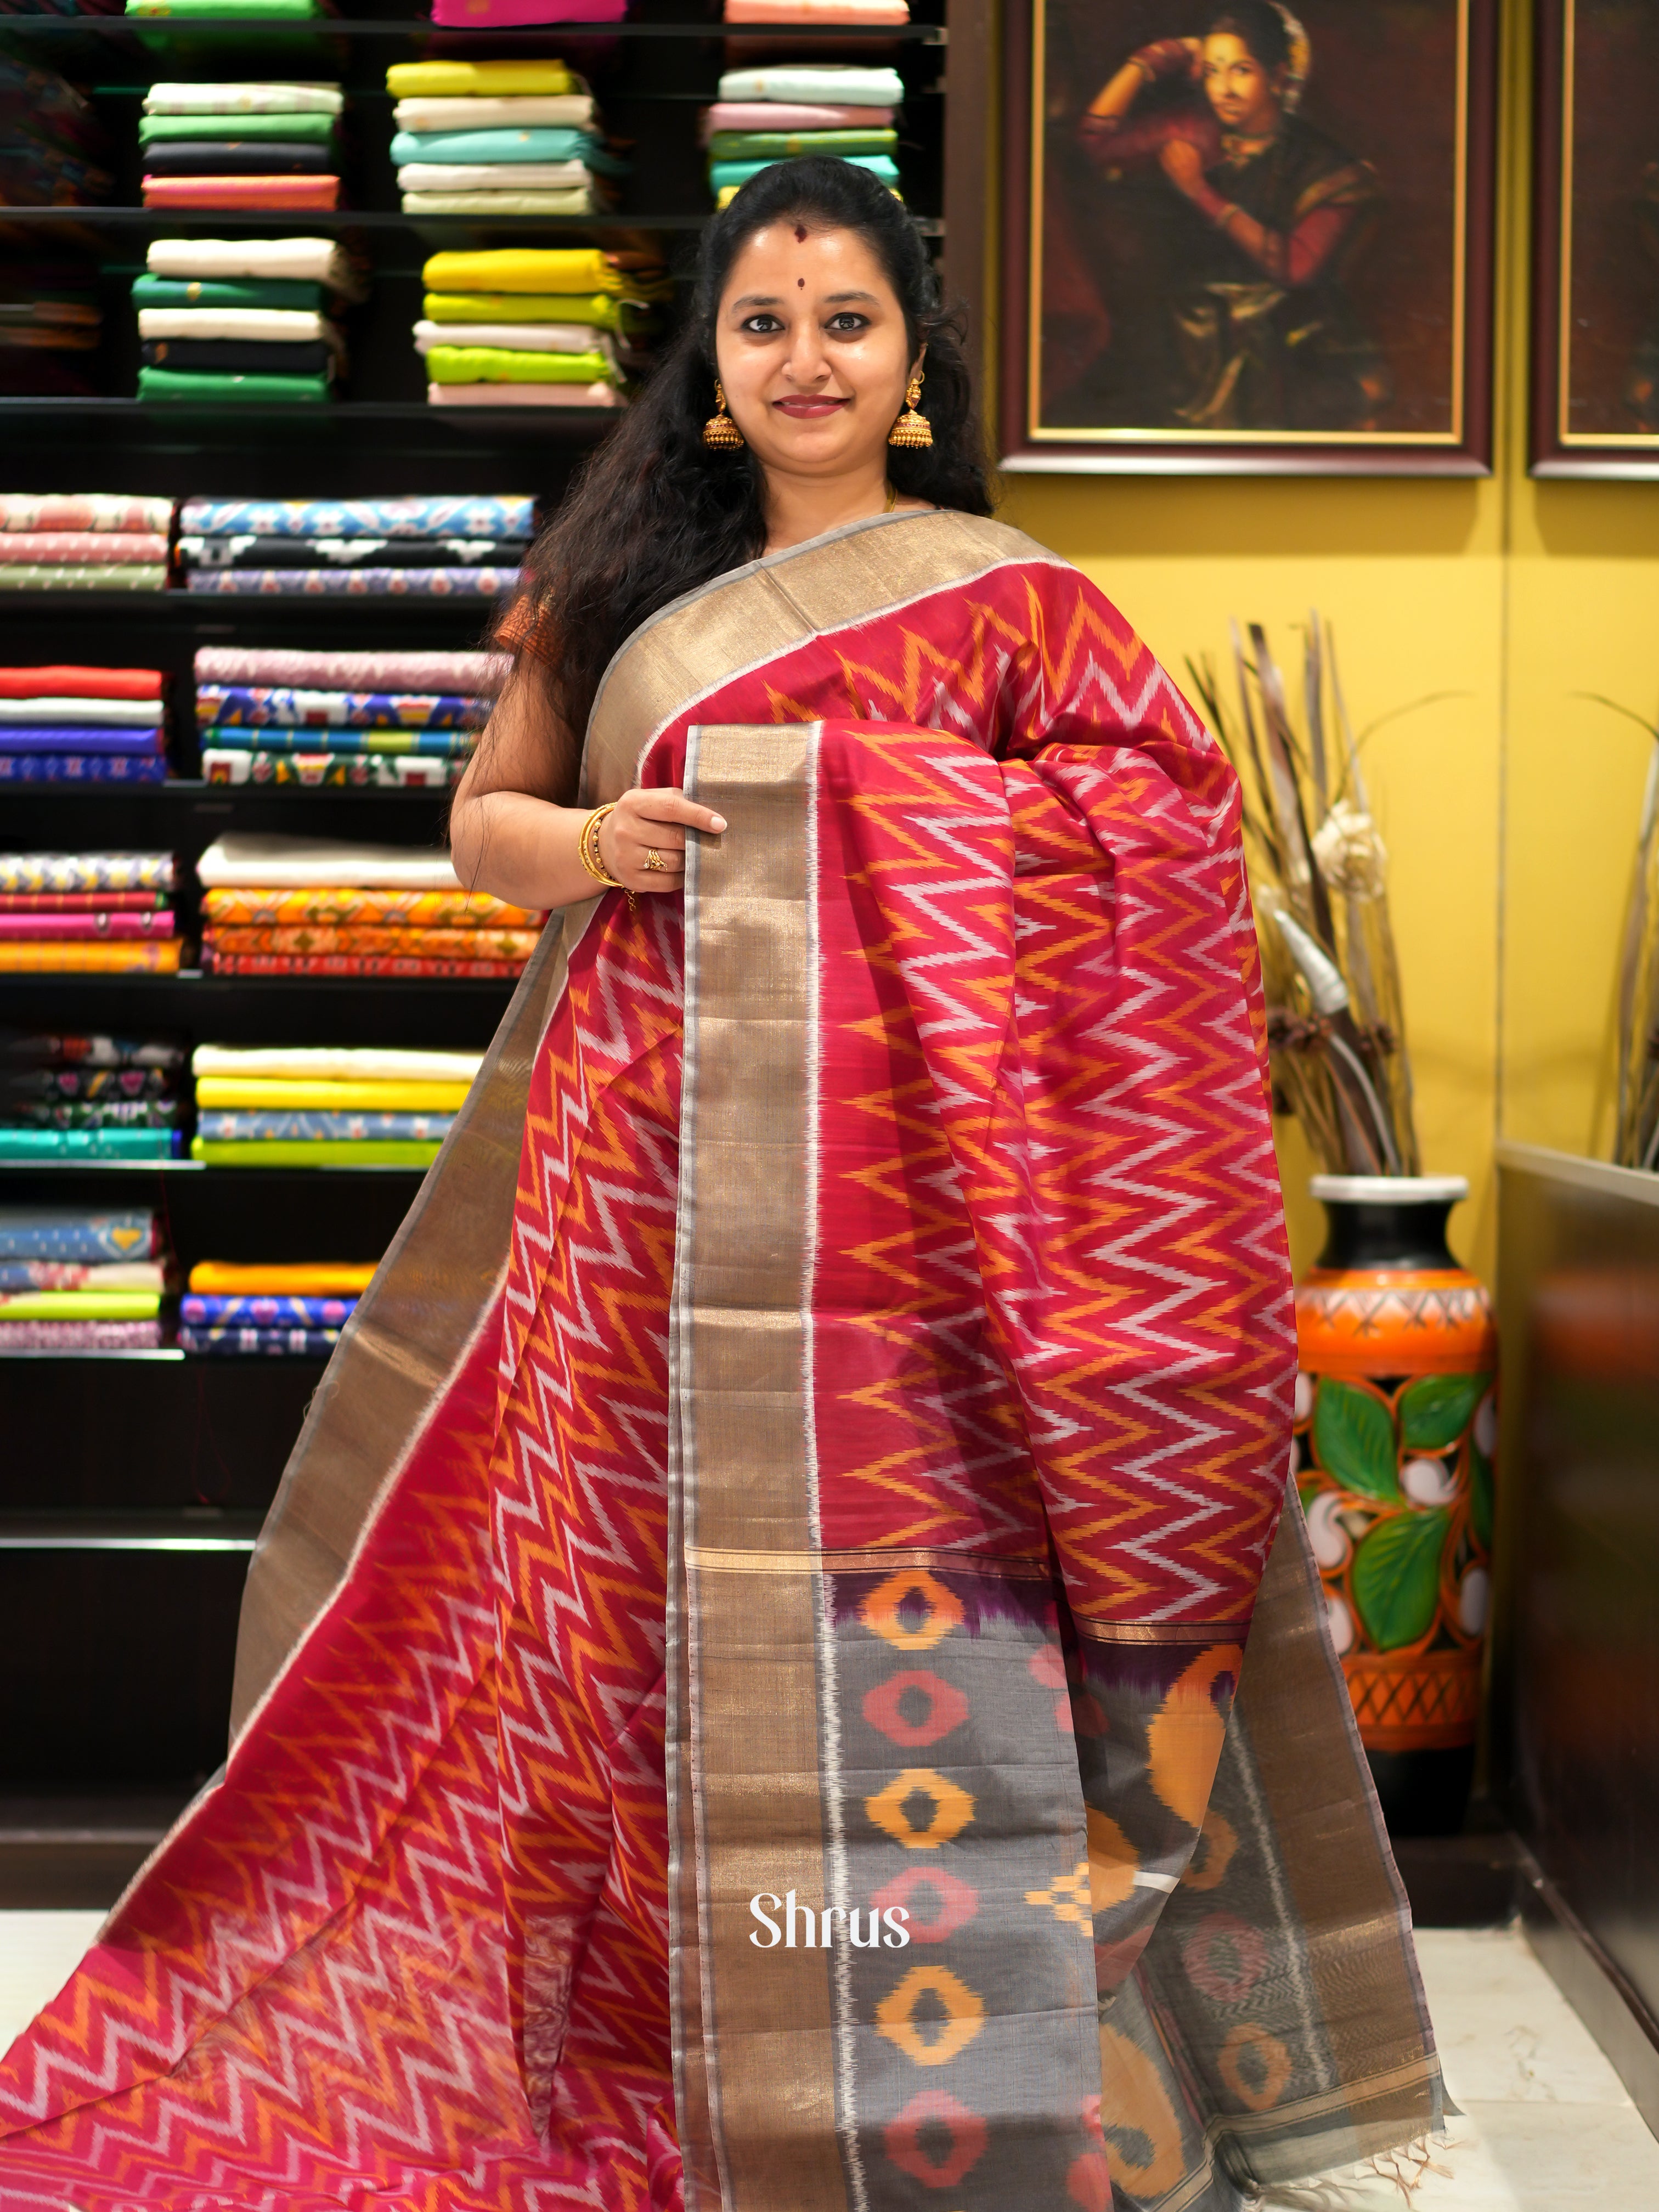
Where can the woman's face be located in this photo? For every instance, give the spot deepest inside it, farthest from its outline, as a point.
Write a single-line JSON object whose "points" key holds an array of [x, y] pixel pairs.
{"points": [[810, 348], [1246, 98]]}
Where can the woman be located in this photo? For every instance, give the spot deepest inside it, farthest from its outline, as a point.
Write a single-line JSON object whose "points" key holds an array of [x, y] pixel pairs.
{"points": [[732, 1709], [1245, 324]]}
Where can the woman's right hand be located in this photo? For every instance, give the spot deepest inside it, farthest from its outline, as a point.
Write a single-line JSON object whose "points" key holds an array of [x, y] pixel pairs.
{"points": [[653, 822]]}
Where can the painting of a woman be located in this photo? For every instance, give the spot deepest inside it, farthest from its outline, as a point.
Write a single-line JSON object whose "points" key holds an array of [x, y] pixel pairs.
{"points": [[1220, 257]]}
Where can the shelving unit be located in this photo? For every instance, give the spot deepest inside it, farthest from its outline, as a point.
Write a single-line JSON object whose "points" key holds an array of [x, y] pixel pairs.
{"points": [[132, 1485]]}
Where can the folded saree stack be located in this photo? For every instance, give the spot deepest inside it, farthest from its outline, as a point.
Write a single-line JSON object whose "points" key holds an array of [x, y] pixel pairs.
{"points": [[242, 318], [75, 1280], [91, 1097], [325, 1106], [265, 146], [82, 542], [296, 906], [295, 1310], [54, 150], [106, 914], [444, 547], [534, 327], [778, 114], [521, 138], [72, 724], [248, 11], [837, 14]]}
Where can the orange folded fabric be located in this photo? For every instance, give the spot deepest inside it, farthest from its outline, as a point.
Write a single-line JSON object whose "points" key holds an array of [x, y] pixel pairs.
{"points": [[55, 956], [318, 193], [303, 1279]]}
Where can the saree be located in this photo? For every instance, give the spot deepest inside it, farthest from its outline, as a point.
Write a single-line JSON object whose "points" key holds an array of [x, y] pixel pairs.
{"points": [[743, 1702]]}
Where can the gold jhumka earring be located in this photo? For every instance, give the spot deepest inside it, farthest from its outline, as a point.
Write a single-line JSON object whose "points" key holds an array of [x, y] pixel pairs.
{"points": [[720, 430], [911, 429]]}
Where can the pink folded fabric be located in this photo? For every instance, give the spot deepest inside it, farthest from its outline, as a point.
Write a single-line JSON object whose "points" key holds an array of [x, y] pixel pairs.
{"points": [[56, 927], [73, 546], [224, 192], [780, 115], [524, 395], [471, 15], [817, 11], [101, 511]]}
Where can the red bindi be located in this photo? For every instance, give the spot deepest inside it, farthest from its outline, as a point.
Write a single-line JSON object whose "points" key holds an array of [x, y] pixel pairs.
{"points": [[800, 283], [801, 233]]}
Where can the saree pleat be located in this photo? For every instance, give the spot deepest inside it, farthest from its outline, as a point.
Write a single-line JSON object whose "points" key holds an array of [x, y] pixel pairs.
{"points": [[812, 1461]]}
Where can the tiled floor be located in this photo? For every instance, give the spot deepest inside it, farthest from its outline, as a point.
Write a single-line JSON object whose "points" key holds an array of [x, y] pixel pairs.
{"points": [[1547, 2128]]}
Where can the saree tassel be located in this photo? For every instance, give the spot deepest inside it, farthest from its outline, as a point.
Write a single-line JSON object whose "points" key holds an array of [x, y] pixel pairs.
{"points": [[912, 428]]}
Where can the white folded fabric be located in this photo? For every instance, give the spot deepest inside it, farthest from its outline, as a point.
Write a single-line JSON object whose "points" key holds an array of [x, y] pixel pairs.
{"points": [[547, 203], [93, 714], [268, 99], [829, 83], [524, 395], [306, 261], [273, 863], [517, 337], [322, 1063], [574, 111], [492, 176], [282, 322]]}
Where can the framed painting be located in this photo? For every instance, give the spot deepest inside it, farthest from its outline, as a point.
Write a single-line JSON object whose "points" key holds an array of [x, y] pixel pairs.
{"points": [[1241, 235], [1595, 288]]}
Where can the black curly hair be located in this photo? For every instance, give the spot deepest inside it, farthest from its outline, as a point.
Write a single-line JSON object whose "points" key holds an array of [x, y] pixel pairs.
{"points": [[655, 511]]}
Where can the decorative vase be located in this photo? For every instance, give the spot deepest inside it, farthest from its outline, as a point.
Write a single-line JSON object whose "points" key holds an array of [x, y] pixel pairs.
{"points": [[1396, 1436]]}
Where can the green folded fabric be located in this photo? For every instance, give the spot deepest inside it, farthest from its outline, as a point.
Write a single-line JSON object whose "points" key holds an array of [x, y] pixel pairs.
{"points": [[596, 309], [86, 1144], [79, 576], [277, 11], [500, 365], [722, 174], [777, 145], [81, 1305], [150, 291], [316, 1152], [312, 129], [199, 384]]}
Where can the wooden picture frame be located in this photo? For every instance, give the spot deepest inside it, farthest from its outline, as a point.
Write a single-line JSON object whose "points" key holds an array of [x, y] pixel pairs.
{"points": [[1111, 364], [1595, 243]]}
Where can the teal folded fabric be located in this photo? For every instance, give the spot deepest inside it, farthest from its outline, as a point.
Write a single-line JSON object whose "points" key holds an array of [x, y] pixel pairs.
{"points": [[781, 145], [307, 130], [150, 291], [548, 144], [722, 174], [200, 384], [88, 1144]]}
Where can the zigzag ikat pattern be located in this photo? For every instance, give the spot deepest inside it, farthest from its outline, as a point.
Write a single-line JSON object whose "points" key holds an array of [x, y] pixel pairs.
{"points": [[409, 1954]]}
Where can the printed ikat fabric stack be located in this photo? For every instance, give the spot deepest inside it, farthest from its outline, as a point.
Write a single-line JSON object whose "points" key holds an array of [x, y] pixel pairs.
{"points": [[82, 542], [67, 1098], [288, 1311], [106, 913], [75, 725], [440, 547], [72, 1279]]}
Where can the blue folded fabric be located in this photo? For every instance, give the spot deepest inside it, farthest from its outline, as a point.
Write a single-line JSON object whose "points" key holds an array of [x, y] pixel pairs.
{"points": [[68, 1232], [268, 1124], [304, 1343], [266, 1313], [436, 515], [57, 738], [722, 174], [239, 737], [543, 145], [82, 768]]}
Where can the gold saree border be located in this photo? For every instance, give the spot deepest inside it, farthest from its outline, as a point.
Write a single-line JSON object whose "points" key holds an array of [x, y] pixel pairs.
{"points": [[741, 1481], [741, 620], [406, 1341]]}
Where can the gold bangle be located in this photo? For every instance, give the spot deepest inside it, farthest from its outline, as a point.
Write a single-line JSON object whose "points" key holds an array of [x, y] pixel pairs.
{"points": [[588, 853]]}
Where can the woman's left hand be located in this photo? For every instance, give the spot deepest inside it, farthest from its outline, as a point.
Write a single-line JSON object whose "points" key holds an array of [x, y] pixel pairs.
{"points": [[643, 839]]}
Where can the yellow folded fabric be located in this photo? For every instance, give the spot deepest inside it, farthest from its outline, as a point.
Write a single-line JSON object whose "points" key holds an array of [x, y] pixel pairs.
{"points": [[501, 365], [524, 269], [331, 1097], [80, 1306], [299, 1279], [121, 957], [596, 310], [463, 80]]}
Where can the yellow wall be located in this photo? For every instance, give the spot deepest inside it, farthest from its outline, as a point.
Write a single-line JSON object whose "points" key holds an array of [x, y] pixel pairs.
{"points": [[1509, 808]]}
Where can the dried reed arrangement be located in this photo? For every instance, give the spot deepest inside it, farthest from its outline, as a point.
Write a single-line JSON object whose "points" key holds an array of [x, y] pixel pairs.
{"points": [[1318, 875], [1637, 1140]]}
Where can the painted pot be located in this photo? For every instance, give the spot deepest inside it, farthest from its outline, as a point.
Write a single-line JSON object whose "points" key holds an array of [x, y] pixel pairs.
{"points": [[1396, 1427]]}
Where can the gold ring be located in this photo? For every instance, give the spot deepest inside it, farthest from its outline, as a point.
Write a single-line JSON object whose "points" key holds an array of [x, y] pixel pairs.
{"points": [[654, 862]]}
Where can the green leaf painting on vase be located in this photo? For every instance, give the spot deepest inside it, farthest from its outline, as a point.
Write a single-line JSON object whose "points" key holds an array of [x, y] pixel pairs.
{"points": [[1435, 1409], [1396, 1576], [1354, 1439]]}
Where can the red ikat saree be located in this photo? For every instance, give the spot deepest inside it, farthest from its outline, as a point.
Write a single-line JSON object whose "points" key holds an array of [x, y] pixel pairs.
{"points": [[821, 1430]]}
